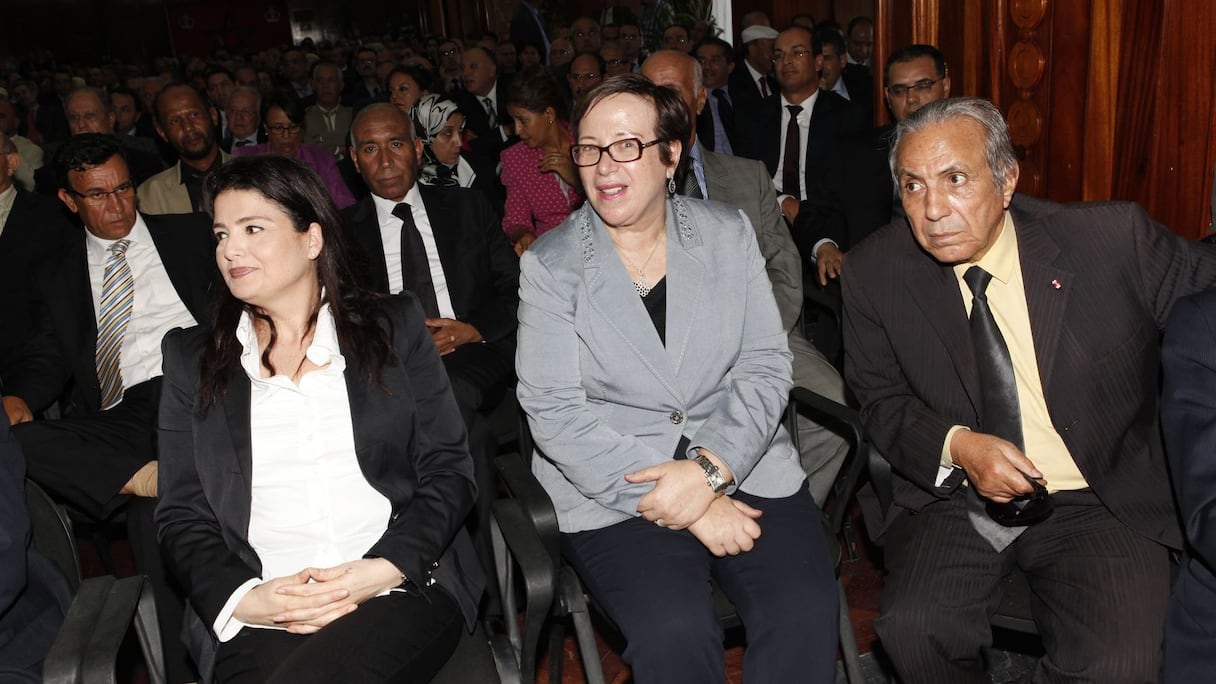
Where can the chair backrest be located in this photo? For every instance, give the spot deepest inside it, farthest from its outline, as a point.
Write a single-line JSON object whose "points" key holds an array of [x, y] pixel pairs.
{"points": [[52, 533]]}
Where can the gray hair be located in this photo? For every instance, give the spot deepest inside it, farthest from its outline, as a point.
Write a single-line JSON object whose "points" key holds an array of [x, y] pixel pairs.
{"points": [[998, 148], [102, 96], [257, 96]]}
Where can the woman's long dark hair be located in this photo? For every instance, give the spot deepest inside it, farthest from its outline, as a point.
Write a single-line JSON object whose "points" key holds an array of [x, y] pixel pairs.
{"points": [[299, 193]]}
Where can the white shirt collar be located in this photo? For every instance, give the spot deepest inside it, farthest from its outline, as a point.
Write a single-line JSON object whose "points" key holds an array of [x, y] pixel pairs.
{"points": [[806, 104], [385, 207], [139, 235], [321, 351]]}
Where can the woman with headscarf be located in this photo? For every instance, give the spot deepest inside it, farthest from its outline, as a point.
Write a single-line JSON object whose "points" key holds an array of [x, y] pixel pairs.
{"points": [[439, 123]]}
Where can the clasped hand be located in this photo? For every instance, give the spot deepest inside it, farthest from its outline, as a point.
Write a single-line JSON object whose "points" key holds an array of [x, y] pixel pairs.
{"points": [[995, 467], [680, 495], [314, 597]]}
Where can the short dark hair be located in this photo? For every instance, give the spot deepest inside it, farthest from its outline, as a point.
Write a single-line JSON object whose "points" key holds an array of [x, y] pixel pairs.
{"points": [[82, 152], [288, 101], [423, 76], [123, 90], [727, 50], [535, 89], [672, 120], [177, 85], [830, 37], [858, 21], [599, 61], [303, 197], [218, 69], [489, 55], [908, 53]]}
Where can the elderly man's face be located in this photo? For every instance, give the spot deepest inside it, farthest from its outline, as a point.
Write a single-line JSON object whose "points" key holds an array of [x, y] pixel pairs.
{"points": [[243, 115], [386, 153], [953, 203], [86, 114], [478, 72], [327, 85]]}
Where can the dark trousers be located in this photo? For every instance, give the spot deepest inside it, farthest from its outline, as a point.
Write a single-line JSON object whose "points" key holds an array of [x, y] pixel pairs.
{"points": [[654, 583], [400, 637], [480, 374], [1098, 594], [83, 461]]}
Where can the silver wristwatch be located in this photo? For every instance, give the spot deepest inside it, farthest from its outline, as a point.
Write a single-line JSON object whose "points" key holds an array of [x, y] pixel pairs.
{"points": [[713, 476]]}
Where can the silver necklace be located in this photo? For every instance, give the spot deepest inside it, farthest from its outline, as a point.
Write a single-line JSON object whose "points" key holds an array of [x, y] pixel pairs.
{"points": [[639, 284]]}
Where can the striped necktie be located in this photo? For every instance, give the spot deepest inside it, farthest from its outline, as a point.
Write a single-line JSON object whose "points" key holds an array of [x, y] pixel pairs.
{"points": [[117, 298]]}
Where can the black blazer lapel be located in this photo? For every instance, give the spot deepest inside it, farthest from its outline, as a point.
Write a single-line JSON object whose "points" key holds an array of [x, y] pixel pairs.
{"points": [[186, 249], [366, 227], [941, 304], [448, 226], [236, 414], [81, 324], [1047, 287]]}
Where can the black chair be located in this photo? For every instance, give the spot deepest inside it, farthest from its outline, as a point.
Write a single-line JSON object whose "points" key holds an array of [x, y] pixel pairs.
{"points": [[1013, 613], [103, 608], [527, 542]]}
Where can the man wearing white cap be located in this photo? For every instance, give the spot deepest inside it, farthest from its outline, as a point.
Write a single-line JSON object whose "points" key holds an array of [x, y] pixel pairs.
{"points": [[753, 81]]}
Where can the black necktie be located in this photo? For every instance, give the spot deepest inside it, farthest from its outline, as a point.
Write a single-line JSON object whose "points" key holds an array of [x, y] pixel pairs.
{"points": [[417, 269], [1002, 412], [726, 113], [789, 161], [242, 143]]}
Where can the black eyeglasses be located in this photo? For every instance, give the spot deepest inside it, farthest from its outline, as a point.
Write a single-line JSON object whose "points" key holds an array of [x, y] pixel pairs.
{"points": [[922, 86], [449, 52], [614, 62], [1024, 510], [588, 76], [621, 151]]}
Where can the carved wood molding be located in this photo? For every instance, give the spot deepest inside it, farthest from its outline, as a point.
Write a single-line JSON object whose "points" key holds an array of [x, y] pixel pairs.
{"points": [[1026, 67]]}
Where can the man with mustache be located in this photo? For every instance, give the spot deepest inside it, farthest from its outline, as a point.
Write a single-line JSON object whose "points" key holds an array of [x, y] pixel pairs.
{"points": [[188, 123]]}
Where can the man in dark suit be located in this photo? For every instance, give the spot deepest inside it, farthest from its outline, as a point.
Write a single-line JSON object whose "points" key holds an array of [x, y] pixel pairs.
{"points": [[34, 595], [100, 313], [744, 184], [1045, 401], [857, 195], [1188, 416], [473, 273], [89, 111], [856, 85], [32, 229], [752, 82], [483, 99], [816, 117], [244, 119], [446, 245], [716, 123]]}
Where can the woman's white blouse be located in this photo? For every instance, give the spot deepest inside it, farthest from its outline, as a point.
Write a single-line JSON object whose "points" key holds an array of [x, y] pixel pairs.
{"points": [[311, 506]]}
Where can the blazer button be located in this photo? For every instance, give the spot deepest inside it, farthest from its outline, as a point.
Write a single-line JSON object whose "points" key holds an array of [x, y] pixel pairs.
{"points": [[676, 417]]}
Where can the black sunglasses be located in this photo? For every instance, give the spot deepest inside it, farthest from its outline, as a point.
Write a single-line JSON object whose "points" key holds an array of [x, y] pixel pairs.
{"points": [[1025, 510]]}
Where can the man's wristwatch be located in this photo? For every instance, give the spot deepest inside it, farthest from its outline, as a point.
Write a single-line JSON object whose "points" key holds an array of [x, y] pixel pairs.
{"points": [[713, 476]]}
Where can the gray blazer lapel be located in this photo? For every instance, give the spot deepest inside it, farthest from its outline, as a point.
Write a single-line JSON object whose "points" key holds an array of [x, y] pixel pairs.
{"points": [[685, 275], [608, 293]]}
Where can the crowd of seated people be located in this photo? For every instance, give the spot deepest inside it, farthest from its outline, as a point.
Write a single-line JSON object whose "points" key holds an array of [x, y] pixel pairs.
{"points": [[436, 166]]}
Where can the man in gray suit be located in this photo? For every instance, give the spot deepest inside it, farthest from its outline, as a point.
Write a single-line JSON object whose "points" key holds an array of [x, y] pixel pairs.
{"points": [[745, 185]]}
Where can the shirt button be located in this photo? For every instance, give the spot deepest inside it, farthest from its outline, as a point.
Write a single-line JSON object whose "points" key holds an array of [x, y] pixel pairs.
{"points": [[676, 417]]}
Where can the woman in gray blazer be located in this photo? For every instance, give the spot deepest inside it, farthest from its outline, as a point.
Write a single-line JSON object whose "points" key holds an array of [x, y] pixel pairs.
{"points": [[654, 371]]}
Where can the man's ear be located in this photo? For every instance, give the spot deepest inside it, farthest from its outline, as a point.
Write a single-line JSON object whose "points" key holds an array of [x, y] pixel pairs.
{"points": [[68, 201]]}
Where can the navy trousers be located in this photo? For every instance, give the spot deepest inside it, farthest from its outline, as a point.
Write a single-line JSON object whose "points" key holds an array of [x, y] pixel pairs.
{"points": [[654, 583]]}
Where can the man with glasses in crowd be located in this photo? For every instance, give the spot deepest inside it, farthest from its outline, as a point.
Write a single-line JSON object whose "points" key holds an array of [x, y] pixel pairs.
{"points": [[100, 312], [857, 195]]}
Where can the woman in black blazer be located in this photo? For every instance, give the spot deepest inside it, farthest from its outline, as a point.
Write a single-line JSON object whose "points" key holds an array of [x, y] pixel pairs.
{"points": [[314, 471]]}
